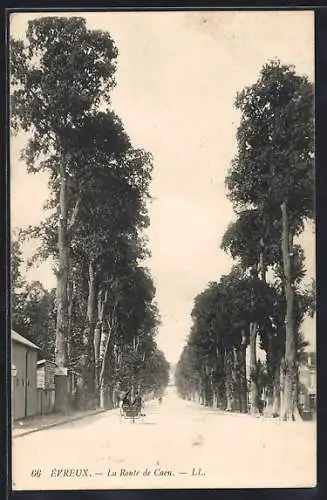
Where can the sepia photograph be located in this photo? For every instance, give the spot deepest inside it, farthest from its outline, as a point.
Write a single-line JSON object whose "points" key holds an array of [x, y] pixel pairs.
{"points": [[163, 282]]}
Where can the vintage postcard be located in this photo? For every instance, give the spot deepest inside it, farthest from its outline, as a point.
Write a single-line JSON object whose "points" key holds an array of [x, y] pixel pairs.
{"points": [[162, 250]]}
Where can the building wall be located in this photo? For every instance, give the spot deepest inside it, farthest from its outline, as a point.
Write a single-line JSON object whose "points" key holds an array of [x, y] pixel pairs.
{"points": [[40, 377], [46, 400], [307, 389], [18, 394], [45, 387], [31, 383], [24, 392], [50, 369], [46, 375], [307, 377]]}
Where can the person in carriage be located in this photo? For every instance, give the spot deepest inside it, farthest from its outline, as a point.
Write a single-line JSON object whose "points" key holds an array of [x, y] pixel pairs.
{"points": [[124, 402], [138, 403], [132, 408], [126, 399]]}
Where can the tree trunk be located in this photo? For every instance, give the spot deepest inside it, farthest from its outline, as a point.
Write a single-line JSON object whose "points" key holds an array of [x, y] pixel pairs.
{"points": [[101, 396], [96, 345], [89, 382], [201, 398], [273, 406], [253, 370], [215, 398], [273, 365], [228, 380], [104, 348], [96, 340], [211, 391], [276, 392], [61, 382], [133, 387], [240, 379], [106, 335], [91, 301], [281, 385], [289, 407], [70, 295], [244, 388], [236, 379], [262, 266], [98, 333]]}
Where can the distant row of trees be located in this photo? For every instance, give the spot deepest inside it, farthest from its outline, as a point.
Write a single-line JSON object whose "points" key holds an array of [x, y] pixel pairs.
{"points": [[106, 321], [271, 186]]}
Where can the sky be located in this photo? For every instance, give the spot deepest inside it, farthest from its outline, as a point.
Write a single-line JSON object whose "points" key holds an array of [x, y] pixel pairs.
{"points": [[177, 78]]}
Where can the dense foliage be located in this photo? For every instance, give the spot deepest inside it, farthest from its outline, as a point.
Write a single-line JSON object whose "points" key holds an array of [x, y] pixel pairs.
{"points": [[271, 185], [32, 308], [106, 318]]}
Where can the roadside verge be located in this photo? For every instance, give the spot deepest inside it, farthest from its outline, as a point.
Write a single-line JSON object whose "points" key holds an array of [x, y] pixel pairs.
{"points": [[47, 421]]}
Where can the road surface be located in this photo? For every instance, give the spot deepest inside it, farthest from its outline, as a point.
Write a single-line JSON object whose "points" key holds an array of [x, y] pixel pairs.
{"points": [[178, 445]]}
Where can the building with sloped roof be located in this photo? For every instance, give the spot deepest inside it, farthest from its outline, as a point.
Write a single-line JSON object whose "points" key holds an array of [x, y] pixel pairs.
{"points": [[24, 376]]}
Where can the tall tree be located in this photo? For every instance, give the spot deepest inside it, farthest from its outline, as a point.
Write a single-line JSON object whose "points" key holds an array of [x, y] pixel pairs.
{"points": [[59, 75], [273, 171], [107, 234], [253, 239]]}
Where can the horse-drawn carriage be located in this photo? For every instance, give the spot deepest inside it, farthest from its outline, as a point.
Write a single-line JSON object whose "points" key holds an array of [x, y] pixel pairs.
{"points": [[131, 410]]}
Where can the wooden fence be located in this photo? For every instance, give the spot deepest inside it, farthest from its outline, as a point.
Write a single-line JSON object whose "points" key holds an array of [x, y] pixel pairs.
{"points": [[45, 401]]}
